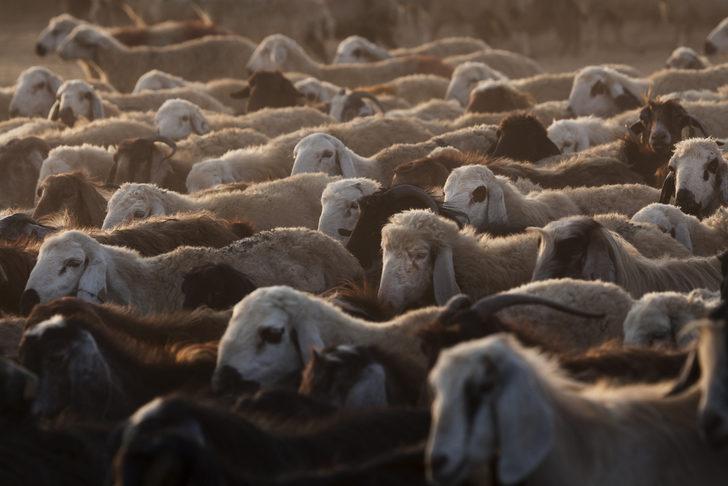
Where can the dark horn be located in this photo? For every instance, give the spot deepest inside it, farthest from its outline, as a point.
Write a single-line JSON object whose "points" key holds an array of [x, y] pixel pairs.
{"points": [[367, 96], [668, 188], [490, 305], [417, 192], [689, 375], [168, 142]]}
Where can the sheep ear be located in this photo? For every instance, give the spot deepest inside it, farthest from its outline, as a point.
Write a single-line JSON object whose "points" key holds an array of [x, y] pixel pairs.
{"points": [[682, 235], [91, 199], [308, 340], [693, 124], [497, 213], [345, 163], [92, 285], [443, 276], [599, 261], [97, 109], [279, 55], [200, 125], [668, 188], [525, 426], [55, 109]]}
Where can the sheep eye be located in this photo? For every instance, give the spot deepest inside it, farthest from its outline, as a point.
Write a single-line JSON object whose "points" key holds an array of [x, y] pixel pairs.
{"points": [[479, 194], [421, 255], [354, 206], [713, 166], [72, 263], [185, 118], [326, 154], [271, 335], [139, 214], [39, 192]]}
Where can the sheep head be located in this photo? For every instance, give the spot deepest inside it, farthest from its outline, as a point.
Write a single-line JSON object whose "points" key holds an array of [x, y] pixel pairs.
{"points": [[269, 89], [141, 160], [321, 152], [347, 105], [475, 191], [358, 50], [279, 53], [514, 130], [570, 136], [604, 92], [55, 33], [315, 90], [76, 99], [717, 40], [662, 124], [698, 177], [685, 58], [176, 119], [156, 80], [466, 77], [670, 220], [340, 206], [85, 42], [20, 226], [489, 405], [75, 194], [270, 338], [35, 92], [134, 201]]}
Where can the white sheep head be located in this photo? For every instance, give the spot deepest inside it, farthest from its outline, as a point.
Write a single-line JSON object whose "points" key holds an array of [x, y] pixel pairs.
{"points": [[268, 341], [156, 80], [358, 50], [604, 92], [717, 40], [685, 58], [35, 92], [56, 32], [698, 178], [321, 152], [177, 119], [477, 192], [76, 99], [417, 248], [670, 220], [466, 76], [340, 206], [316, 90], [569, 136], [278, 53], [489, 403], [134, 201], [69, 264], [84, 42]]}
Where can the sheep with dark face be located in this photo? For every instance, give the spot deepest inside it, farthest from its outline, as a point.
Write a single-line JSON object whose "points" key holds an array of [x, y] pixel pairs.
{"points": [[81, 199], [19, 226], [497, 97], [524, 138], [141, 160], [20, 161], [217, 286], [269, 89]]}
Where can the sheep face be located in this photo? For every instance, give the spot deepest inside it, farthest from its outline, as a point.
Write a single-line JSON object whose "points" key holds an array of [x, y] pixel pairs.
{"points": [[487, 402], [56, 32], [20, 225], [466, 77], [315, 90], [701, 177], [133, 202], [72, 372], [272, 54], [156, 80], [670, 220], [601, 92], [407, 269], [35, 92], [177, 119], [267, 341], [69, 264], [717, 40], [477, 192], [340, 207], [662, 124], [713, 412], [20, 160], [569, 136], [76, 99], [84, 42], [652, 321], [358, 50], [685, 58], [319, 153]]}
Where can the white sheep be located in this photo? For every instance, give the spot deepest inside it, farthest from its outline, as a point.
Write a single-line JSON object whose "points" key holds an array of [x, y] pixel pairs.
{"points": [[316, 90], [76, 99], [225, 56], [72, 263], [340, 206], [466, 77], [492, 202], [357, 50], [578, 134], [430, 110], [103, 132], [94, 161], [604, 92], [686, 58], [266, 205], [511, 64], [702, 238], [35, 92]]}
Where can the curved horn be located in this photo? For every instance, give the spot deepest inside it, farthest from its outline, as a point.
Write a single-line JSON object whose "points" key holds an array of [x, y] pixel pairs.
{"points": [[361, 95], [668, 188], [168, 142], [694, 122], [417, 192], [689, 375], [490, 305]]}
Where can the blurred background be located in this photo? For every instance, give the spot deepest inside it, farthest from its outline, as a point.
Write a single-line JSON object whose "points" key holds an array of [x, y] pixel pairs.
{"points": [[560, 34]]}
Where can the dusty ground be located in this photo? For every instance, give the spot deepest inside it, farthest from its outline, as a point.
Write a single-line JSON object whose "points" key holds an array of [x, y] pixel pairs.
{"points": [[18, 34]]}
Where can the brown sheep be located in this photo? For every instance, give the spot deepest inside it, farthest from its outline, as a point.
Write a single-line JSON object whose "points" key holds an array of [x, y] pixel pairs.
{"points": [[20, 161], [82, 200], [141, 160], [522, 137], [269, 89], [496, 98]]}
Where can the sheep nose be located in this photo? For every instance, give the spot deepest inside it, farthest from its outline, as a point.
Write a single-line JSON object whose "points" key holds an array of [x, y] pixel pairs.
{"points": [[28, 300], [40, 50], [685, 200], [344, 232], [659, 141], [713, 428], [710, 48], [67, 117]]}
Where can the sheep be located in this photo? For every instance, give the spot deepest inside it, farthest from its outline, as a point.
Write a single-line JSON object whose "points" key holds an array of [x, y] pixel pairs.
{"points": [[698, 177], [274, 160], [77, 99], [266, 205], [709, 369], [430, 110], [347, 105], [494, 96], [340, 209], [317, 91], [97, 272], [20, 160], [278, 52], [511, 64], [513, 129], [35, 92], [216, 286], [94, 161], [356, 49], [176, 119], [604, 92], [74, 194], [19, 226], [686, 58], [496, 373], [466, 77], [579, 134], [433, 171], [269, 89], [580, 247], [492, 203], [660, 318], [717, 40], [702, 238], [225, 56]]}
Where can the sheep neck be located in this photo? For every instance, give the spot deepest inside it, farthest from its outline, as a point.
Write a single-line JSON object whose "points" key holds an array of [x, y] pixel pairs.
{"points": [[524, 211], [176, 203]]}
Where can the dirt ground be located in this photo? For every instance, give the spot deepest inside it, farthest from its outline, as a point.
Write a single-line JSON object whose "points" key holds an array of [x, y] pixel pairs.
{"points": [[19, 31]]}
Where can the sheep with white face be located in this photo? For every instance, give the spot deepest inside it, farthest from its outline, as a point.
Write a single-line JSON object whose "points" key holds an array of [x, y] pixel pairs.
{"points": [[177, 119], [604, 92], [340, 206], [55, 33], [576, 135], [35, 92], [358, 50], [478, 194], [76, 99], [466, 77]]}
